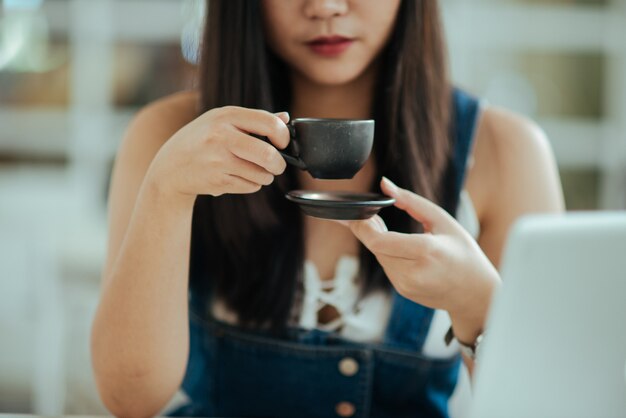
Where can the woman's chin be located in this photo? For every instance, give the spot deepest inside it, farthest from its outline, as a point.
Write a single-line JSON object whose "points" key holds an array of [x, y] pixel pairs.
{"points": [[332, 75]]}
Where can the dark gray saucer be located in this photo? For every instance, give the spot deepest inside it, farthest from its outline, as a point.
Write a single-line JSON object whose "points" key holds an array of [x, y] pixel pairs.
{"points": [[339, 205]]}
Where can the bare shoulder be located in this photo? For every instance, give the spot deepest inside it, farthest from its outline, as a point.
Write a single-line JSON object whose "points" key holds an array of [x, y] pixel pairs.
{"points": [[152, 126], [524, 161], [161, 119], [511, 150], [515, 173], [506, 145], [514, 138]]}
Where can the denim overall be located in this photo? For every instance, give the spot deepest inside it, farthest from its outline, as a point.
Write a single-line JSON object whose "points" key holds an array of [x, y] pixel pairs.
{"points": [[249, 374]]}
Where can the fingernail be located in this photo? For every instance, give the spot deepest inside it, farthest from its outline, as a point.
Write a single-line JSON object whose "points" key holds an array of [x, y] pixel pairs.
{"points": [[381, 223], [390, 185], [283, 115], [375, 224]]}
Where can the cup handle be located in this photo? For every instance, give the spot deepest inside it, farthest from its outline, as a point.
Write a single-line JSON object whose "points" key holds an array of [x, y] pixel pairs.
{"points": [[291, 154]]}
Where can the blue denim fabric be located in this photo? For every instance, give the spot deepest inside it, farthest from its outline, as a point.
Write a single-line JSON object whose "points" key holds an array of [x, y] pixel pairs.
{"points": [[250, 374]]}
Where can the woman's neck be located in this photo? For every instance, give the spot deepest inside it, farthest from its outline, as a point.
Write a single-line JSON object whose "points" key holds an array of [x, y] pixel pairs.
{"points": [[352, 100]]}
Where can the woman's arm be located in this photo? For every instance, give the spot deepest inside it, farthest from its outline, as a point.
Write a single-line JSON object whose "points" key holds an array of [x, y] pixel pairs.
{"points": [[140, 333], [518, 165], [140, 336]]}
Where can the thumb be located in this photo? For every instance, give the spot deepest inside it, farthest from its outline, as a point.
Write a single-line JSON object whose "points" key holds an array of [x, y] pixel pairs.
{"points": [[432, 217], [365, 230], [368, 231]]}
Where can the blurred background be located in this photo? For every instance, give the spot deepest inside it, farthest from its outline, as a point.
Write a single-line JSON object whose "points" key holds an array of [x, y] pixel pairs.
{"points": [[73, 72]]}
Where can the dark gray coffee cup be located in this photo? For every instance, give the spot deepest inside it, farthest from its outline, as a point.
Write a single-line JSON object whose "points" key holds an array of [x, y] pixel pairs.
{"points": [[329, 148]]}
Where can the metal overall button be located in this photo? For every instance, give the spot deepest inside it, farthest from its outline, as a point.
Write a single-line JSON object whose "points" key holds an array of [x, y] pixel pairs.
{"points": [[348, 366], [345, 409]]}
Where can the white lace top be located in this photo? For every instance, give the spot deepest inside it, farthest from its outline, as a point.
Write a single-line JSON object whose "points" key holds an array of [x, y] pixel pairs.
{"points": [[362, 321]]}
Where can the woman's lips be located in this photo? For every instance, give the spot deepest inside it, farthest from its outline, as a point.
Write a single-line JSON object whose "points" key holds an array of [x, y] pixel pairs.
{"points": [[330, 46]]}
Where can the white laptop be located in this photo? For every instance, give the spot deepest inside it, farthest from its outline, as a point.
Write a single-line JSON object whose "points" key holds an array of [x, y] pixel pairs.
{"points": [[555, 344]]}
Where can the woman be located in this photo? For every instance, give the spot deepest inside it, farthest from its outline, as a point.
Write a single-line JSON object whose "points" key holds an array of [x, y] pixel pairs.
{"points": [[201, 234]]}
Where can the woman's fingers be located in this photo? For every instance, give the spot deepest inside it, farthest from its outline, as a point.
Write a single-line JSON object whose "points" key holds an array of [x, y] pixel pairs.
{"points": [[432, 217], [284, 116], [258, 152], [250, 172], [374, 235], [238, 185], [260, 122]]}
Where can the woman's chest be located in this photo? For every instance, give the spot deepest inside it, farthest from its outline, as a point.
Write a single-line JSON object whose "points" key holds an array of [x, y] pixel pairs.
{"points": [[325, 243]]}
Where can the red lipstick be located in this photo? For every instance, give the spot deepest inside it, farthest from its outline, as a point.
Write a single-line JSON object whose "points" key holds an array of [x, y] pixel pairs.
{"points": [[330, 46]]}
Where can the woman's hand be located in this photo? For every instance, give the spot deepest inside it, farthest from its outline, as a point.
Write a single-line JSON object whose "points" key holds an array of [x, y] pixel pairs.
{"points": [[216, 154], [444, 268]]}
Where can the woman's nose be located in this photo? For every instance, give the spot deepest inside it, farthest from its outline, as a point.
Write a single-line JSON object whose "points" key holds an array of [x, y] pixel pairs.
{"points": [[325, 9]]}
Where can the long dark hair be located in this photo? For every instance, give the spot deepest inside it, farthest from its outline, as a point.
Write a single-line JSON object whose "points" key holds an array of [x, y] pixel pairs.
{"points": [[248, 249]]}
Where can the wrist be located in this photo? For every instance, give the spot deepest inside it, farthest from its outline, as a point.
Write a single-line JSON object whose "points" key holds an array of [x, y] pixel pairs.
{"points": [[158, 192], [469, 350], [466, 331], [469, 322]]}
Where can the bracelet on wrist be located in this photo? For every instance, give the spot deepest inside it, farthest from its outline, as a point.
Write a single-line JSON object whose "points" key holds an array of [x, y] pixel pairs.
{"points": [[469, 349]]}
